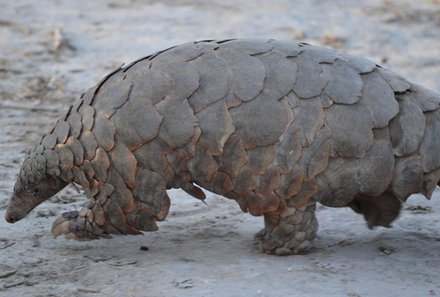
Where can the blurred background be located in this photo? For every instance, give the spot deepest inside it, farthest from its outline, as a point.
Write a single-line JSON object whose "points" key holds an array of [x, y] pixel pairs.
{"points": [[53, 50], [61, 44]]}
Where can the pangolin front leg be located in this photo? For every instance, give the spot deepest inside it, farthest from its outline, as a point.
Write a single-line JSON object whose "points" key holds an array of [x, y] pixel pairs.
{"points": [[291, 231], [117, 212], [93, 222], [78, 225]]}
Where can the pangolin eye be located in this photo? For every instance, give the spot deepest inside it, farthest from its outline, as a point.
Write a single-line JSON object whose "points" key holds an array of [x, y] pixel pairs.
{"points": [[35, 191]]}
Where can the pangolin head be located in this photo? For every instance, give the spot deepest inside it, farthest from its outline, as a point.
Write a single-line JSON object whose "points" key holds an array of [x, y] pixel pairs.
{"points": [[34, 185]]}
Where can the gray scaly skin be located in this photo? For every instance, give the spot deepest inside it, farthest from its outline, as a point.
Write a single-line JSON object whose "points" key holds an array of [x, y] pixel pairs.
{"points": [[276, 126]]}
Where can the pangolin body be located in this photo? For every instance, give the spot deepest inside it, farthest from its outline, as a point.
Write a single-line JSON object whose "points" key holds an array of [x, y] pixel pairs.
{"points": [[276, 126]]}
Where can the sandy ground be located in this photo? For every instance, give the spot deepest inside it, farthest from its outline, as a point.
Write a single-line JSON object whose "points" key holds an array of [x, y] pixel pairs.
{"points": [[52, 50]]}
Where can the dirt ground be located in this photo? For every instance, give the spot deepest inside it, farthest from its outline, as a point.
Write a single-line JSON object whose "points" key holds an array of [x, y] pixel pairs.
{"points": [[53, 50]]}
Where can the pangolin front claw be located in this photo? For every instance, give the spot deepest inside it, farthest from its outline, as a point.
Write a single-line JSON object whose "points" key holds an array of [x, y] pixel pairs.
{"points": [[60, 226], [73, 226]]}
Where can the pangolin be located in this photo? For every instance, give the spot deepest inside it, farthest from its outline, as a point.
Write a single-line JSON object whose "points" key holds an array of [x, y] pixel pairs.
{"points": [[276, 126]]}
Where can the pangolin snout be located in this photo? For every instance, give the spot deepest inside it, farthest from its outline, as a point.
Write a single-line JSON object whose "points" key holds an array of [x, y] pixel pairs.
{"points": [[12, 215], [11, 219]]}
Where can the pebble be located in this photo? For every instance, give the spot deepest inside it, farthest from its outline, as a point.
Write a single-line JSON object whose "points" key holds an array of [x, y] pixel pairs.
{"points": [[386, 250], [184, 284]]}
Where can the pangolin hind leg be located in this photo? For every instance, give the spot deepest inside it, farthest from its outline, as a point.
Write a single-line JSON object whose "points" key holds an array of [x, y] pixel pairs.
{"points": [[379, 210], [143, 218], [290, 231]]}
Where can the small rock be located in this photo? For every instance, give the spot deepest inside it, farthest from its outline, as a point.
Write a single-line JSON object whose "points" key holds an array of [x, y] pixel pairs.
{"points": [[46, 213], [184, 284], [419, 209], [386, 250]]}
